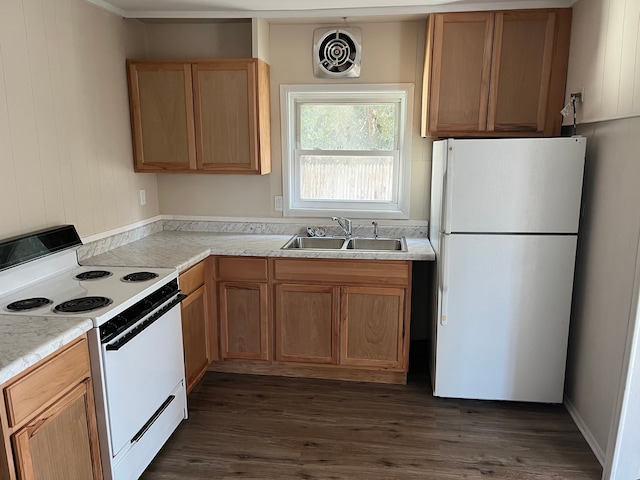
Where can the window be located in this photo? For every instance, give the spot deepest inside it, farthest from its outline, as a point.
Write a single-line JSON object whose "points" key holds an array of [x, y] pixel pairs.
{"points": [[346, 150]]}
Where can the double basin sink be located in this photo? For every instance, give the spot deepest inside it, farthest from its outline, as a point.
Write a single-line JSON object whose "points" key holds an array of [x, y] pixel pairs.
{"points": [[340, 243]]}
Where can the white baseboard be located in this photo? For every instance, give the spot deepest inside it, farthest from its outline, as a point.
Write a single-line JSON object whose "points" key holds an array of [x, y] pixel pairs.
{"points": [[586, 433]]}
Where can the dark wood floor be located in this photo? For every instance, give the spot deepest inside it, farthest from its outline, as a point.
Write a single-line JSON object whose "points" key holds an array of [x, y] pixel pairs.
{"points": [[243, 426]]}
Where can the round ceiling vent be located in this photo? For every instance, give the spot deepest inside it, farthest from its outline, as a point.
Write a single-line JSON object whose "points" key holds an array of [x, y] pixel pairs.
{"points": [[336, 52]]}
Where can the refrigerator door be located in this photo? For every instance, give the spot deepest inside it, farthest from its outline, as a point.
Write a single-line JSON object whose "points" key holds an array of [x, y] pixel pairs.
{"points": [[513, 185], [504, 305]]}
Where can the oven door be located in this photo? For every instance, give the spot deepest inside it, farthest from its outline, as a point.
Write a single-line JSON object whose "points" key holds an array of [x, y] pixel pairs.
{"points": [[140, 376]]}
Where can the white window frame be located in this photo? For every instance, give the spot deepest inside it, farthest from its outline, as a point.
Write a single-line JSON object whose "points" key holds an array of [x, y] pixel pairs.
{"points": [[292, 95]]}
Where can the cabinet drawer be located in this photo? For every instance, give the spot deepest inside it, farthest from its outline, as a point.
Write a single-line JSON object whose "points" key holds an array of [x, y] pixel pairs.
{"points": [[192, 278], [382, 273], [242, 268], [47, 382]]}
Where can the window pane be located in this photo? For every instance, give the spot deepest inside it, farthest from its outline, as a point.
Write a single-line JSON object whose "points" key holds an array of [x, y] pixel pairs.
{"points": [[348, 126], [346, 178]]}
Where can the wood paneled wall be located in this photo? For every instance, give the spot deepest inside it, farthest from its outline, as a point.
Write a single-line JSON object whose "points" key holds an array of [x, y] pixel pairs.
{"points": [[605, 269], [605, 59], [65, 142]]}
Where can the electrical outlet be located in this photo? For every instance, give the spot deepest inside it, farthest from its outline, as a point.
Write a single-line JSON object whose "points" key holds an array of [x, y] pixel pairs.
{"points": [[143, 197], [277, 203]]}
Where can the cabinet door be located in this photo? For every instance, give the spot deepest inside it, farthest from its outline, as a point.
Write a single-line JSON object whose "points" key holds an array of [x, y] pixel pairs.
{"points": [[62, 442], [306, 323], [195, 333], [161, 97], [459, 71], [243, 320], [372, 324], [521, 71], [226, 116]]}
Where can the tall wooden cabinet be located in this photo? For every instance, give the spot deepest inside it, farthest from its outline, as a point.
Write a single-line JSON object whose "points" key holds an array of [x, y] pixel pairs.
{"points": [[200, 116], [495, 74], [48, 419]]}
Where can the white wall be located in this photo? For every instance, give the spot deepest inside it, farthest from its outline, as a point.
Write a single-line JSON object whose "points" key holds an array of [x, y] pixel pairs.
{"points": [[65, 142], [392, 52], [604, 60]]}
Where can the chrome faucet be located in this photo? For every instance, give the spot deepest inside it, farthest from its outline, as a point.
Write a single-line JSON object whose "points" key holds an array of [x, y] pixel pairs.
{"points": [[345, 225]]}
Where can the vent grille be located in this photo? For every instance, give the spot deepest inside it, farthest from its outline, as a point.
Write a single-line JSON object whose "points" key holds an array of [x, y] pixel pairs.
{"points": [[337, 52]]}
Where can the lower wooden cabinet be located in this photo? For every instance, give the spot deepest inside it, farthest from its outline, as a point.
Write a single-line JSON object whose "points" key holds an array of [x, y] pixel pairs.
{"points": [[57, 444], [306, 323], [327, 318], [49, 420], [195, 335], [372, 323], [243, 308], [244, 320], [196, 322]]}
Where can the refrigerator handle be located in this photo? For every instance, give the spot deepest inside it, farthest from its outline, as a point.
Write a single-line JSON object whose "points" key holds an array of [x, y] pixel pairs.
{"points": [[444, 279], [447, 191]]}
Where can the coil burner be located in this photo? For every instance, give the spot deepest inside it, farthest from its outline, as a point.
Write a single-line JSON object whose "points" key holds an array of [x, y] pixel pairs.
{"points": [[84, 304], [139, 277]]}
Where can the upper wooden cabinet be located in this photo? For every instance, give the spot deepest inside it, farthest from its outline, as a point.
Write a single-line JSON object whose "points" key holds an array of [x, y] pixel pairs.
{"points": [[495, 74], [204, 116], [458, 83], [161, 102]]}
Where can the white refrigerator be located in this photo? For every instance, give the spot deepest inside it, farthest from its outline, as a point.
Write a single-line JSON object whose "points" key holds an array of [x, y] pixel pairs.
{"points": [[504, 224]]}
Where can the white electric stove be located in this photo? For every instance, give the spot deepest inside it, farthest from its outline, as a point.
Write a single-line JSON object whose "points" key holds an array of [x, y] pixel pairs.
{"points": [[135, 346], [98, 293]]}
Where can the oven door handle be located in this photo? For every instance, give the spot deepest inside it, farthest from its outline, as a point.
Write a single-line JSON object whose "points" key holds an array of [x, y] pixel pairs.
{"points": [[126, 338], [153, 419]]}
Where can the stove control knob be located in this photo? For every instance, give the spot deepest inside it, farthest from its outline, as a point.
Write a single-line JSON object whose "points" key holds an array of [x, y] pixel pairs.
{"points": [[107, 329]]}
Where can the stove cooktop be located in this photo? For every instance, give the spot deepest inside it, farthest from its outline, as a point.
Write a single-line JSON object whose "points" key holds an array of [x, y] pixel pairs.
{"points": [[98, 293]]}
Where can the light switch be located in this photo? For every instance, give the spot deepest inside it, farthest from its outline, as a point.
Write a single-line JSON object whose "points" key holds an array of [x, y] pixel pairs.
{"points": [[143, 197], [277, 203]]}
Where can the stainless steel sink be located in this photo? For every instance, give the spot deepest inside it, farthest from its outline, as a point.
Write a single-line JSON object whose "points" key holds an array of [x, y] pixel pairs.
{"points": [[316, 243], [384, 244], [339, 243]]}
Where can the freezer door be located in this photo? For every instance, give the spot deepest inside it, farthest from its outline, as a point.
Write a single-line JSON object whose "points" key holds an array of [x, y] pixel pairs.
{"points": [[504, 316], [513, 185]]}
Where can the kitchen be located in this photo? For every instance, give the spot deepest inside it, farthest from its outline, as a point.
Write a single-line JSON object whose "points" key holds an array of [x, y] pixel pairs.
{"points": [[72, 91]]}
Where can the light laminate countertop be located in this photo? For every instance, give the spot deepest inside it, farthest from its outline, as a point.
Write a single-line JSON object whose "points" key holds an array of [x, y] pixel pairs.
{"points": [[179, 249], [26, 340]]}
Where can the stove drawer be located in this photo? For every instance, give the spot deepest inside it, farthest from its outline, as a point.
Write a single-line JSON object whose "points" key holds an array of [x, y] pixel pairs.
{"points": [[43, 385]]}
